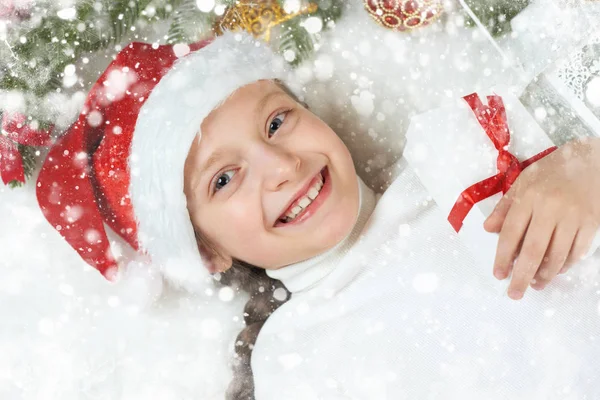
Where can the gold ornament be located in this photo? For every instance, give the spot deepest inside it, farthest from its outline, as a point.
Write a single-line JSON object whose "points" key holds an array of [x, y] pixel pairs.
{"points": [[404, 15], [257, 17]]}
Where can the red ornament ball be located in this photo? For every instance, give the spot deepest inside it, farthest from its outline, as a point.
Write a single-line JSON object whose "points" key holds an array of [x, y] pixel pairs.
{"points": [[404, 15]]}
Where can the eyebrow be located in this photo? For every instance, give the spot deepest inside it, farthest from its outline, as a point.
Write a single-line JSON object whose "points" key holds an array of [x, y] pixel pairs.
{"points": [[206, 166], [214, 157], [262, 104]]}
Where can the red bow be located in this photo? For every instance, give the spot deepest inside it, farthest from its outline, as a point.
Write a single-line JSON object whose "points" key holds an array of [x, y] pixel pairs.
{"points": [[493, 120], [15, 132]]}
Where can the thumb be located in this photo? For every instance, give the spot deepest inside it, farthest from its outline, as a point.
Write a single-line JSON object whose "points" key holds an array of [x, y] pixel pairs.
{"points": [[494, 222]]}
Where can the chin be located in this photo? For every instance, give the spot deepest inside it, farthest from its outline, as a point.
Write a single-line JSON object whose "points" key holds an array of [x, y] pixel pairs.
{"points": [[339, 227]]}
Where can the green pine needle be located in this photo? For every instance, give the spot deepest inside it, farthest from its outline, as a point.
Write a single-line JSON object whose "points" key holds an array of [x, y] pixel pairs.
{"points": [[189, 23], [123, 14], [295, 38]]}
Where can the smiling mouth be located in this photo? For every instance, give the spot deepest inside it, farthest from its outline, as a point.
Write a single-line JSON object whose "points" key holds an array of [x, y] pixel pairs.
{"points": [[302, 204]]}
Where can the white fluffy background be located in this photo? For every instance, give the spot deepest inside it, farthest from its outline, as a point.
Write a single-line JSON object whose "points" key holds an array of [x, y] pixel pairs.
{"points": [[66, 334]]}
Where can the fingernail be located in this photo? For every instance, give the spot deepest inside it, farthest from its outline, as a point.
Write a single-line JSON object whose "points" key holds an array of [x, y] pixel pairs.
{"points": [[515, 294], [563, 270], [537, 286], [498, 274]]}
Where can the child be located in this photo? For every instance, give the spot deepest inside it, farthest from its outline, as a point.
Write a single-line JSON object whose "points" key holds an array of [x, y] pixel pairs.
{"points": [[228, 171]]}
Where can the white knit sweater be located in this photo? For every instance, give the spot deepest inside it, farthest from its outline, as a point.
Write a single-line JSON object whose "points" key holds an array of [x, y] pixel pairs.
{"points": [[398, 310]]}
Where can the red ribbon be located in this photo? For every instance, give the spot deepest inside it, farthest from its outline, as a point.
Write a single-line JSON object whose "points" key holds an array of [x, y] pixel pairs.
{"points": [[492, 119], [15, 132]]}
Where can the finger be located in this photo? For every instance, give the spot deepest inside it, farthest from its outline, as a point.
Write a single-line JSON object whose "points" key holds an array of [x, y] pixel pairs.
{"points": [[532, 253], [511, 235], [560, 246], [494, 222], [581, 245]]}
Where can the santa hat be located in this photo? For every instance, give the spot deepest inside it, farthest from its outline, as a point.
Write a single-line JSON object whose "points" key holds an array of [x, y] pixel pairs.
{"points": [[121, 163]]}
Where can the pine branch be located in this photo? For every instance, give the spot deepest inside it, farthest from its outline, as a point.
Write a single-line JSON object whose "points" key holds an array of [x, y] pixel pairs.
{"points": [[189, 23], [295, 38], [54, 43], [123, 14], [496, 14], [329, 10], [164, 10]]}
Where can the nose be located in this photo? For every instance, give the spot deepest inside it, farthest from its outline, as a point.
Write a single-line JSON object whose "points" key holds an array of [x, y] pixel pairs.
{"points": [[277, 164]]}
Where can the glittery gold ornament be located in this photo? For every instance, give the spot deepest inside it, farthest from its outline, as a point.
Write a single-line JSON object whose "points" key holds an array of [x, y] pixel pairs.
{"points": [[404, 15], [257, 17]]}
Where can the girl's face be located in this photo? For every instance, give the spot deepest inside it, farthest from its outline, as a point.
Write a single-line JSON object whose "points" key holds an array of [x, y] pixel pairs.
{"points": [[257, 155]]}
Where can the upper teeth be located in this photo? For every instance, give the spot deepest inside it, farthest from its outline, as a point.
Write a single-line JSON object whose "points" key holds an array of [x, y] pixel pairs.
{"points": [[304, 201]]}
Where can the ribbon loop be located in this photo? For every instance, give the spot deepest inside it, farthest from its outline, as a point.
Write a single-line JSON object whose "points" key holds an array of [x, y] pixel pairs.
{"points": [[494, 122]]}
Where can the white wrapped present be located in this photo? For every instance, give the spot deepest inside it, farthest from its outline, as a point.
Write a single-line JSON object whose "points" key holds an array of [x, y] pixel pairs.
{"points": [[450, 152]]}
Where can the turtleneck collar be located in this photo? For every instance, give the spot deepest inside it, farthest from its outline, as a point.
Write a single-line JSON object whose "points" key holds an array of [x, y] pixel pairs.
{"points": [[306, 274]]}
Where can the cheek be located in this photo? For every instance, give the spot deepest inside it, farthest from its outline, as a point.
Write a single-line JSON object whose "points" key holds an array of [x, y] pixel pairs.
{"points": [[320, 136], [233, 225]]}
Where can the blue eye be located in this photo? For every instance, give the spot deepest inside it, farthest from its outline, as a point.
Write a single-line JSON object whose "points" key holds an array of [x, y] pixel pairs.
{"points": [[276, 123], [223, 180]]}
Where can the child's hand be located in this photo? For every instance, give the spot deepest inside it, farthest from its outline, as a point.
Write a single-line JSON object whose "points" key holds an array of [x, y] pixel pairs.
{"points": [[549, 217]]}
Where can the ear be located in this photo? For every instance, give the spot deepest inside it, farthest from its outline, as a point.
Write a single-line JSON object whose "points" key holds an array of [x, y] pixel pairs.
{"points": [[220, 263], [214, 260]]}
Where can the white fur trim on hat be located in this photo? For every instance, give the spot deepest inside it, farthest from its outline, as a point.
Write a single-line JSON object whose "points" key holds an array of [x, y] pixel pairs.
{"points": [[166, 126]]}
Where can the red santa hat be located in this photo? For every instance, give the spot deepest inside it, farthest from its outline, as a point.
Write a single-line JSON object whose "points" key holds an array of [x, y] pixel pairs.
{"points": [[121, 163]]}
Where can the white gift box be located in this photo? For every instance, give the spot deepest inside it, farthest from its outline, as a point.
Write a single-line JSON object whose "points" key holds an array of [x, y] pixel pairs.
{"points": [[450, 151]]}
